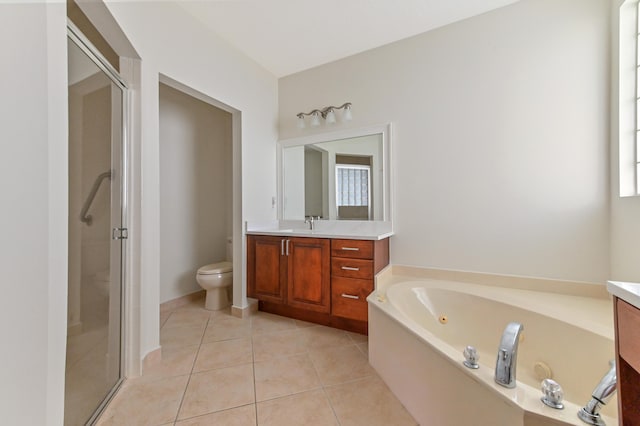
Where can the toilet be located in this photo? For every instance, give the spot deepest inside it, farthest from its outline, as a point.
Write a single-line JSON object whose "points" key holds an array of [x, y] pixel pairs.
{"points": [[216, 279]]}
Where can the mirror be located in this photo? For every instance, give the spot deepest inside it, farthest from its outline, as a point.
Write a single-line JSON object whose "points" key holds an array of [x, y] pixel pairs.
{"points": [[336, 176]]}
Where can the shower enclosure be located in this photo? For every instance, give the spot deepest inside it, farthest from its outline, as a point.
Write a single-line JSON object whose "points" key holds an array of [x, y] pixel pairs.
{"points": [[96, 232]]}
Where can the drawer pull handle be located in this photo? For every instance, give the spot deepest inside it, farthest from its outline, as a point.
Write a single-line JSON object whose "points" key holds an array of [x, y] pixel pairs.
{"points": [[351, 248], [350, 296], [350, 268]]}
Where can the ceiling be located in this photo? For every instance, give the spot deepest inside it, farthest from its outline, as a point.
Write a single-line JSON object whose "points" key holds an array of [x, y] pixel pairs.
{"points": [[288, 36]]}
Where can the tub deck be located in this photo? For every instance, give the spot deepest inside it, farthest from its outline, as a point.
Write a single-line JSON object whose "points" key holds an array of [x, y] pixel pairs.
{"points": [[434, 385]]}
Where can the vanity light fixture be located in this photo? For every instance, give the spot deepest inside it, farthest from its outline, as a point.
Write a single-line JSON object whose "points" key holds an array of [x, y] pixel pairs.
{"points": [[328, 113]]}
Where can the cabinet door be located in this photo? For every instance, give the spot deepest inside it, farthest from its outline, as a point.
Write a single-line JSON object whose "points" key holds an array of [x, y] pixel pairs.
{"points": [[309, 280], [266, 268]]}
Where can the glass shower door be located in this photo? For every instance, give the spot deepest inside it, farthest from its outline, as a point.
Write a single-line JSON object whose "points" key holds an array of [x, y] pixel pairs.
{"points": [[93, 368]]}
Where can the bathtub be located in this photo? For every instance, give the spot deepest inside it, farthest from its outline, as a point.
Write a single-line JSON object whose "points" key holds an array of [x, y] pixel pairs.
{"points": [[419, 328]]}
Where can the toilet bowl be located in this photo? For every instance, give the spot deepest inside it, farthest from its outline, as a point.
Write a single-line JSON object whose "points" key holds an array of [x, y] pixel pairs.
{"points": [[216, 279]]}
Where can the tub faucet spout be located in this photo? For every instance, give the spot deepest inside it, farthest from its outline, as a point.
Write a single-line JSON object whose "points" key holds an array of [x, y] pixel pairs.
{"points": [[507, 355], [590, 413]]}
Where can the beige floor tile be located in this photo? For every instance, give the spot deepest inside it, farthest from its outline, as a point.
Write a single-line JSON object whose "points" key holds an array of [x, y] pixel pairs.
{"points": [[241, 416], [367, 402], [304, 324], [225, 328], [225, 353], [217, 390], [145, 402], [308, 409], [190, 317], [176, 361], [262, 322], [80, 345], [181, 335], [164, 317], [357, 337], [284, 376], [364, 348], [340, 364], [196, 304], [277, 344], [226, 312], [86, 385], [324, 337]]}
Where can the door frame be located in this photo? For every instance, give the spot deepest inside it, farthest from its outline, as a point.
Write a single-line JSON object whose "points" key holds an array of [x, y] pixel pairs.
{"points": [[83, 43]]}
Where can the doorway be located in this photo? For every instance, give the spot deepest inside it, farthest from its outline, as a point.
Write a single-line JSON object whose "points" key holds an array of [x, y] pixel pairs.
{"points": [[96, 232], [196, 199]]}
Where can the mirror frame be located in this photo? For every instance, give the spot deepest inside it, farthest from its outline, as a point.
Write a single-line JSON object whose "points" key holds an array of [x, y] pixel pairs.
{"points": [[385, 130]]}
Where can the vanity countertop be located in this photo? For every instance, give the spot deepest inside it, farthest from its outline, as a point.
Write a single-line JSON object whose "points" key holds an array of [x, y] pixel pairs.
{"points": [[629, 292], [350, 230]]}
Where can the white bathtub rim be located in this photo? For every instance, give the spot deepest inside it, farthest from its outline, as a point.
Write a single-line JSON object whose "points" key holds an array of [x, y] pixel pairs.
{"points": [[548, 304], [523, 396]]}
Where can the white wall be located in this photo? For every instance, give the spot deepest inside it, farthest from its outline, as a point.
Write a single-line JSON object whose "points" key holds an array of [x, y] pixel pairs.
{"points": [[188, 53], [501, 137], [33, 188], [625, 211], [195, 189]]}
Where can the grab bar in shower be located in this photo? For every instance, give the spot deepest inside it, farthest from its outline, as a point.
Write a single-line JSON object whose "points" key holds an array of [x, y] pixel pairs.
{"points": [[84, 217]]}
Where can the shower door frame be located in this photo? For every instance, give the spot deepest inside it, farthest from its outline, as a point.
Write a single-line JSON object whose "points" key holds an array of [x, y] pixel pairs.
{"points": [[83, 43]]}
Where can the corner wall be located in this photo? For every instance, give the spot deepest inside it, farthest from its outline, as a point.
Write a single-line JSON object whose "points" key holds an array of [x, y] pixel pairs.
{"points": [[186, 52], [500, 141], [33, 187]]}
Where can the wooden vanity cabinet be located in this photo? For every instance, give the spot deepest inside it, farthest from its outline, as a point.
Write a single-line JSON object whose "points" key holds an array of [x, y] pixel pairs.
{"points": [[292, 271], [627, 319], [320, 280], [354, 263]]}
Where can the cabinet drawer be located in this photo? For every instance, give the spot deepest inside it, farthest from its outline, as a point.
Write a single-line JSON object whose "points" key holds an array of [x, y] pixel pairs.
{"points": [[629, 333], [360, 249], [349, 297], [352, 268]]}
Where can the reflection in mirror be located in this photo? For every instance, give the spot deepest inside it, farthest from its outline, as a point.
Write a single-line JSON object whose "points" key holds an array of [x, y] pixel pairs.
{"points": [[337, 179]]}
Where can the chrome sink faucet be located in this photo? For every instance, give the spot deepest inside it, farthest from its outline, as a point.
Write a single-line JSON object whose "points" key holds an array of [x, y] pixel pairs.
{"points": [[508, 355], [311, 221]]}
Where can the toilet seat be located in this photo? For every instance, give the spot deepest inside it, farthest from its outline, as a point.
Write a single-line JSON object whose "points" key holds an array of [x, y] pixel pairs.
{"points": [[216, 268]]}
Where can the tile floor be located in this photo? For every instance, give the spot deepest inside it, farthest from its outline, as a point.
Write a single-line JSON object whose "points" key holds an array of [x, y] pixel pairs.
{"points": [[264, 370], [87, 362]]}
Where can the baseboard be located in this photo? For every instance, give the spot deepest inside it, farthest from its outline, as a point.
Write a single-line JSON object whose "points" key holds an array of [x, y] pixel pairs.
{"points": [[238, 312], [174, 304], [152, 359], [74, 329]]}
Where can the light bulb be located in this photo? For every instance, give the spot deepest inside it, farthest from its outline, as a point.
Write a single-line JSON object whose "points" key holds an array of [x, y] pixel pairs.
{"points": [[331, 116], [301, 124], [315, 119], [346, 116]]}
